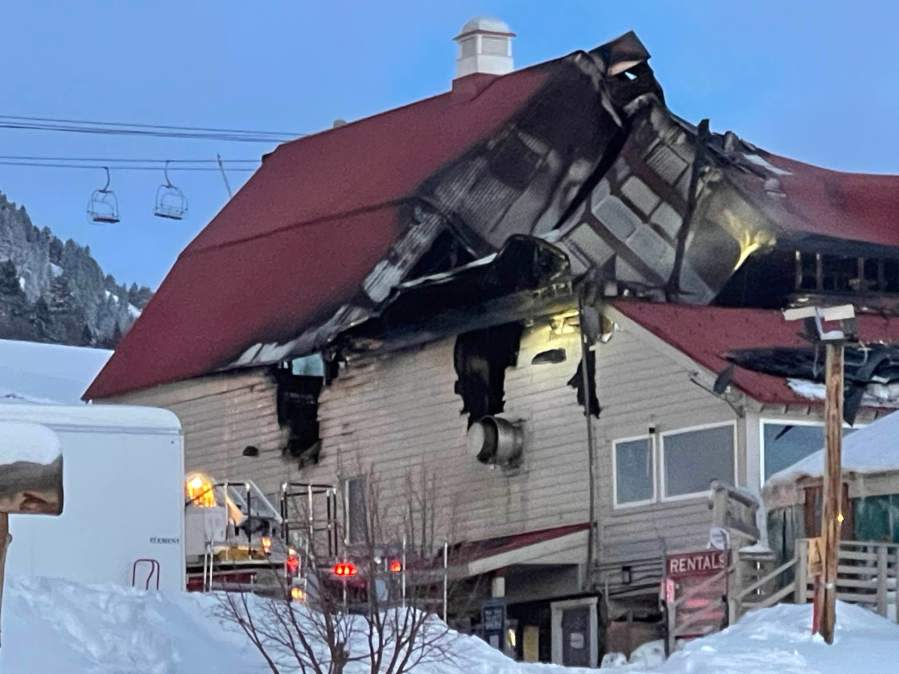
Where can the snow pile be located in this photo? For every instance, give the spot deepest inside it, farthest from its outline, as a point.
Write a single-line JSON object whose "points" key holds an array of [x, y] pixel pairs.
{"points": [[30, 442], [52, 626], [47, 373], [778, 640]]}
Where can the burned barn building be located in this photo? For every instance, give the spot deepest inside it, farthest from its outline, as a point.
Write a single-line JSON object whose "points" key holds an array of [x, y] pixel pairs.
{"points": [[526, 286]]}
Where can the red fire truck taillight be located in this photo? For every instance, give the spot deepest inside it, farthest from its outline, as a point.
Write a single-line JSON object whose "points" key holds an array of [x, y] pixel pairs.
{"points": [[292, 564], [344, 569]]}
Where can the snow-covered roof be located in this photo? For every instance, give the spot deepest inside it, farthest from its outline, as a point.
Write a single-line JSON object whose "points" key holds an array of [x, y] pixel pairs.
{"points": [[873, 449], [26, 441], [47, 373]]}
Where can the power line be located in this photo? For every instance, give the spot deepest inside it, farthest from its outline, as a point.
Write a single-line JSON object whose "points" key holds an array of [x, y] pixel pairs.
{"points": [[100, 167], [116, 160], [18, 122], [290, 134]]}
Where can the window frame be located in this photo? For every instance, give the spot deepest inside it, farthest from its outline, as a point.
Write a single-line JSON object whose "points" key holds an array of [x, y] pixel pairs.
{"points": [[665, 498], [655, 472]]}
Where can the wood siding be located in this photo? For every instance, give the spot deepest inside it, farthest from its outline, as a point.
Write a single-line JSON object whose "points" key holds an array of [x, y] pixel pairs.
{"points": [[397, 412], [642, 386], [221, 415]]}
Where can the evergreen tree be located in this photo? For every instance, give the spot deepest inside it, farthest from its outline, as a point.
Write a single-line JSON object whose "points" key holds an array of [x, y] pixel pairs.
{"points": [[13, 304], [42, 321]]}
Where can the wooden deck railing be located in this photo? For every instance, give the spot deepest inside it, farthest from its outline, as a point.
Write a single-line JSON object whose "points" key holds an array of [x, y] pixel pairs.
{"points": [[867, 575]]}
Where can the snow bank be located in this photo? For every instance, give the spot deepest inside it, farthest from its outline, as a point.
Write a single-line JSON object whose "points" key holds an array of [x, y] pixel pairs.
{"points": [[22, 441], [52, 626], [56, 627], [777, 640]]}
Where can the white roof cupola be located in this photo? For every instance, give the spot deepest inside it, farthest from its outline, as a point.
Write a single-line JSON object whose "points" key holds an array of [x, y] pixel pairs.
{"points": [[485, 46]]}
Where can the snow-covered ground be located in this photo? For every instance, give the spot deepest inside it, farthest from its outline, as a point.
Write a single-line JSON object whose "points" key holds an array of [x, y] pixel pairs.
{"points": [[52, 626], [58, 627], [47, 373]]}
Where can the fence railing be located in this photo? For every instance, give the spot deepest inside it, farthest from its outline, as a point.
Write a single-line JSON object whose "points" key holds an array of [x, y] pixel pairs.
{"points": [[866, 575]]}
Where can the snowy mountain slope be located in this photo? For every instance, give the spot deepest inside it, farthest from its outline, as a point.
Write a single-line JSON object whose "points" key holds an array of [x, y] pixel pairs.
{"points": [[55, 291]]}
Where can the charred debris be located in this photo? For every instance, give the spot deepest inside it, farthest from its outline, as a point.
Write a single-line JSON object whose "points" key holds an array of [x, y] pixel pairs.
{"points": [[595, 181]]}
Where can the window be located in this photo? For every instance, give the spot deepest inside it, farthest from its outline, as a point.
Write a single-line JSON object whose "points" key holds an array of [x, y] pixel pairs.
{"points": [[691, 459], [634, 471], [786, 442], [355, 509]]}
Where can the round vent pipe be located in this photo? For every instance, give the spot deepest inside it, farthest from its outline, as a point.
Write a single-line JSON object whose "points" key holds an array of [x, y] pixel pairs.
{"points": [[495, 441]]}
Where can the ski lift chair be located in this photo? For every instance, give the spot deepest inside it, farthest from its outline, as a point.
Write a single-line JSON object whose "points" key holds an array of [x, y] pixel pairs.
{"points": [[170, 201], [103, 206]]}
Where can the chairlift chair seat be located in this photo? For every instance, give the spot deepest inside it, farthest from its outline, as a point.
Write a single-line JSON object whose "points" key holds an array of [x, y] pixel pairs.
{"points": [[170, 200], [103, 206]]}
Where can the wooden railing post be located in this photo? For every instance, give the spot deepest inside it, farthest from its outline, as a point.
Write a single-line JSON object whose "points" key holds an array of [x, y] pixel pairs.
{"points": [[734, 608], [882, 580], [670, 632], [801, 593], [896, 585]]}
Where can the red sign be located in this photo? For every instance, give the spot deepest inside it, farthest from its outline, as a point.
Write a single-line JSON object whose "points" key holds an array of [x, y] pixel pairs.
{"points": [[691, 564]]}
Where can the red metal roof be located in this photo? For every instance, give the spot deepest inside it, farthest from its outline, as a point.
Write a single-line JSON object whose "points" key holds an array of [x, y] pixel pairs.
{"points": [[296, 242], [706, 333], [857, 206]]}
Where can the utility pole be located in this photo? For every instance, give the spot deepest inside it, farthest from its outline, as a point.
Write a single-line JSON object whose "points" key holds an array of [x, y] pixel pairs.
{"points": [[832, 492]]}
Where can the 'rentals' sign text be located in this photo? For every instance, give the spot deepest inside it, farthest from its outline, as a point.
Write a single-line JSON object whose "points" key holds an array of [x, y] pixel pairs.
{"points": [[700, 563]]}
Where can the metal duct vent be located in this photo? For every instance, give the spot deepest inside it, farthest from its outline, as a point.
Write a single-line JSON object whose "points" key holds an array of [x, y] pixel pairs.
{"points": [[496, 441]]}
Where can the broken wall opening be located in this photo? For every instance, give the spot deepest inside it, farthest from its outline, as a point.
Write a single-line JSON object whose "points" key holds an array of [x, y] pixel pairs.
{"points": [[480, 359], [299, 384]]}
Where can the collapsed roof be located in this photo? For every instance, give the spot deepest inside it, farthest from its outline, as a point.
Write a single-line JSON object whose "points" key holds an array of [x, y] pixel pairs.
{"points": [[580, 151], [714, 337]]}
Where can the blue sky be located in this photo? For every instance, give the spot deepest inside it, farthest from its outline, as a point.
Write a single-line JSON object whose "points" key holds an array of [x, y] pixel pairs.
{"points": [[818, 81]]}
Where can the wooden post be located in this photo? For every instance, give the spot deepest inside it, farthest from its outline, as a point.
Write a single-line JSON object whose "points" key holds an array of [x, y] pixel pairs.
{"points": [[4, 543], [800, 594], [735, 608], [896, 577], [832, 495], [882, 580]]}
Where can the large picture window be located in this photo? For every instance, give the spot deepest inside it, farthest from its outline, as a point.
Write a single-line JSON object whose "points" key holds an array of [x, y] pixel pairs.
{"points": [[692, 458], [634, 471]]}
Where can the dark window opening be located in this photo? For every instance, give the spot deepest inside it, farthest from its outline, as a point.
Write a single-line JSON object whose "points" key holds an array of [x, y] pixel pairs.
{"points": [[297, 401], [480, 359], [765, 281]]}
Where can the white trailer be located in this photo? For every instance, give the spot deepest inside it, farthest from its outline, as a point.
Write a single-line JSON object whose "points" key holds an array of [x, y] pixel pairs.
{"points": [[123, 512]]}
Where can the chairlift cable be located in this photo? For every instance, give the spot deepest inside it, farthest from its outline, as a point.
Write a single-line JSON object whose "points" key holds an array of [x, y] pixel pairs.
{"points": [[115, 160], [95, 167], [145, 130], [170, 127]]}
